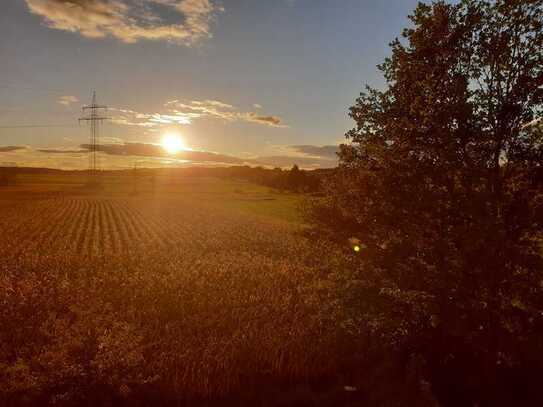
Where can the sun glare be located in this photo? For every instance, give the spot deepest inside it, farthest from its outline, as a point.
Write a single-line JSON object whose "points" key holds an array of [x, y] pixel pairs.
{"points": [[172, 143]]}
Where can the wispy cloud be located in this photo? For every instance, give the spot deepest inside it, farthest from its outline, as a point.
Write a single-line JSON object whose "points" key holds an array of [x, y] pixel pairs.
{"points": [[149, 150], [67, 100], [305, 156], [128, 20], [183, 113], [156, 150], [252, 117], [62, 151], [317, 151], [123, 154], [220, 110], [9, 149]]}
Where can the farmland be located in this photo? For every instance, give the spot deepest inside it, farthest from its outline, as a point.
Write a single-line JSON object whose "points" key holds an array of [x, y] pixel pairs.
{"points": [[203, 213], [184, 287]]}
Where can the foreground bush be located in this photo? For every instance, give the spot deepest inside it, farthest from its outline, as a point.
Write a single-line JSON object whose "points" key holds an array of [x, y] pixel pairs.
{"points": [[184, 327]]}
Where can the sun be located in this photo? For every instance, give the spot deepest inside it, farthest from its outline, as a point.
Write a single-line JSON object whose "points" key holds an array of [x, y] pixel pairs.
{"points": [[172, 143]]}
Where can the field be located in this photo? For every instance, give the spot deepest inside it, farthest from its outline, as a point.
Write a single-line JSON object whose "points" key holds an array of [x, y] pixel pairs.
{"points": [[56, 215], [179, 286]]}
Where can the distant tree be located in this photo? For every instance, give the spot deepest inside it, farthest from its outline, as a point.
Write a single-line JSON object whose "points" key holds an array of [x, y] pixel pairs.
{"points": [[276, 179], [442, 182], [296, 179]]}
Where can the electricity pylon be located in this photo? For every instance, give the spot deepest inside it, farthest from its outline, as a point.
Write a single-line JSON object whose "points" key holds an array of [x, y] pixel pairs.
{"points": [[94, 118]]}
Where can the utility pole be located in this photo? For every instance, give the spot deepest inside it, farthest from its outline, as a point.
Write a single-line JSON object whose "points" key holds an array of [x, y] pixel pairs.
{"points": [[95, 118]]}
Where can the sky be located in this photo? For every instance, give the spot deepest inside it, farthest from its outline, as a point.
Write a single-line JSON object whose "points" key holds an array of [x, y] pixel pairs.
{"points": [[238, 81]]}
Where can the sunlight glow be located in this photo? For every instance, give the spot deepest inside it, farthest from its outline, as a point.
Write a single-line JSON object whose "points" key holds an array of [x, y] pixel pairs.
{"points": [[173, 143]]}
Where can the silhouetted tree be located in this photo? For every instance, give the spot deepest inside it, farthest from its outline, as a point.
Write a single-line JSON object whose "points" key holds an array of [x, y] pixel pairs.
{"points": [[442, 182], [296, 179]]}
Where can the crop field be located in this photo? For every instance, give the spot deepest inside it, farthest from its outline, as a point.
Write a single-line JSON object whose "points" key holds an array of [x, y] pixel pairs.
{"points": [[191, 288], [191, 217], [105, 226]]}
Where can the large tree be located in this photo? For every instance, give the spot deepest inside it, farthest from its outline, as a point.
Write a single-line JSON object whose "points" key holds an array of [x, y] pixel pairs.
{"points": [[442, 182]]}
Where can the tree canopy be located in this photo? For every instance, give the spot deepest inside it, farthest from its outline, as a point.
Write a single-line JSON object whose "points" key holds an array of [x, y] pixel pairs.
{"points": [[442, 180]]}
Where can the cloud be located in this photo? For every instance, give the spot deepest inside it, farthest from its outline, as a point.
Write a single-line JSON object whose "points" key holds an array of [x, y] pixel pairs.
{"points": [[67, 100], [317, 151], [8, 149], [220, 110], [269, 120], [128, 20], [61, 151], [72, 161], [123, 154], [150, 150], [305, 156], [184, 113], [156, 150]]}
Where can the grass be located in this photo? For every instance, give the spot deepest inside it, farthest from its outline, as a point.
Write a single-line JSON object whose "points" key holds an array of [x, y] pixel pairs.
{"points": [[178, 287], [233, 194]]}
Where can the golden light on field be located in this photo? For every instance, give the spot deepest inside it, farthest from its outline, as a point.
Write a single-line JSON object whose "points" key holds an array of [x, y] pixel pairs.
{"points": [[173, 143]]}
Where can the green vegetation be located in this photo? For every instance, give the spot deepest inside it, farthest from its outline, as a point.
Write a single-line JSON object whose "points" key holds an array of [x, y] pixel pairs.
{"points": [[443, 183], [236, 194]]}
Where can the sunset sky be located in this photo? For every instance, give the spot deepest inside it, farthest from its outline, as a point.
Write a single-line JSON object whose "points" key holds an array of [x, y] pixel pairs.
{"points": [[241, 81]]}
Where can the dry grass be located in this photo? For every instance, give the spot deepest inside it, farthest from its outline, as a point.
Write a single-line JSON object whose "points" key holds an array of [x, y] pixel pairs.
{"points": [[166, 293]]}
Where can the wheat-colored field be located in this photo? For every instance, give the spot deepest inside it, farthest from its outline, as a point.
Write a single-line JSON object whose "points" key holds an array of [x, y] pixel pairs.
{"points": [[189, 289]]}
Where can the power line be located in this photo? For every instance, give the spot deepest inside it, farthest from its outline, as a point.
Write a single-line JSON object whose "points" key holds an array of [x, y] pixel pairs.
{"points": [[31, 89], [23, 126]]}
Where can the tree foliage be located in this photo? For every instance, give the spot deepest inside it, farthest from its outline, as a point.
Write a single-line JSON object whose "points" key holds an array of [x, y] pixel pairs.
{"points": [[442, 182]]}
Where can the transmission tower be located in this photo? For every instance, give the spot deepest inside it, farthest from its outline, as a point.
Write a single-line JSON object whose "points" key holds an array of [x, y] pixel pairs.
{"points": [[92, 115]]}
